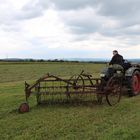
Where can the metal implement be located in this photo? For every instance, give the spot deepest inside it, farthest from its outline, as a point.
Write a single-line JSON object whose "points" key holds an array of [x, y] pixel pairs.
{"points": [[54, 85], [51, 87]]}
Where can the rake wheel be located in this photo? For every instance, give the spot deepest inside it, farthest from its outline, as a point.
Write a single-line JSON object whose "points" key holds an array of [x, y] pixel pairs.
{"points": [[76, 85], [24, 107], [113, 90]]}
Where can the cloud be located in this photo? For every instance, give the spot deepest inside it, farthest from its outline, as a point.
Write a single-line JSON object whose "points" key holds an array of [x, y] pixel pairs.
{"points": [[32, 9], [84, 21], [89, 16], [119, 8], [74, 4]]}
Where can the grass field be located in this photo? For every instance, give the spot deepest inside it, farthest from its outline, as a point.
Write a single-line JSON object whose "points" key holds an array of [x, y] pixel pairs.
{"points": [[82, 121]]}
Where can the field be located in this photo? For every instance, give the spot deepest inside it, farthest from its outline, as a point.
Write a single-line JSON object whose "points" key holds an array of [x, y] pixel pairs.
{"points": [[82, 121]]}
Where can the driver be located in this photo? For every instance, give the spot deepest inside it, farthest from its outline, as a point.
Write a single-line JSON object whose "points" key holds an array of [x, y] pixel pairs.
{"points": [[116, 59]]}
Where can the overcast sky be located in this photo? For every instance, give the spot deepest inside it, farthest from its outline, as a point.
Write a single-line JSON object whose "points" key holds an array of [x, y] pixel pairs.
{"points": [[69, 28]]}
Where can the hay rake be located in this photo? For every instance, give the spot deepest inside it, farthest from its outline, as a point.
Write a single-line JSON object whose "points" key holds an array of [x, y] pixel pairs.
{"points": [[51, 87]]}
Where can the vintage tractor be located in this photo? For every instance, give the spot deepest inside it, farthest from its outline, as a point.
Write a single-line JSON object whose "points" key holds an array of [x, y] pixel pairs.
{"points": [[128, 77]]}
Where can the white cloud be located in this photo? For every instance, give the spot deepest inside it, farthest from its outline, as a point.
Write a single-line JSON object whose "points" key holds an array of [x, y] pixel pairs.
{"points": [[87, 20]]}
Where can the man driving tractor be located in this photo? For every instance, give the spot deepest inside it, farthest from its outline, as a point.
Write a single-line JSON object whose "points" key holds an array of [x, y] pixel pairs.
{"points": [[116, 59]]}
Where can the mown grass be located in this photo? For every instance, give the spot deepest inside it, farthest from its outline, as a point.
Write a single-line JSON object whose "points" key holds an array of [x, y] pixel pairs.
{"points": [[62, 121]]}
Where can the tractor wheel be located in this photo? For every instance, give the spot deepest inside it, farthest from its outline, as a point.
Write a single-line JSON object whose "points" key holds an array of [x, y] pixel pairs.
{"points": [[113, 90], [24, 107], [134, 84]]}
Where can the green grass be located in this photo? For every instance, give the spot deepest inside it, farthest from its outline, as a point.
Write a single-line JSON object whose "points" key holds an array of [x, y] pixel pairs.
{"points": [[62, 121], [10, 72]]}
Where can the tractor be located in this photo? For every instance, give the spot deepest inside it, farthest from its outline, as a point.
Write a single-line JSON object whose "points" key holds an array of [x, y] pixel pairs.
{"points": [[119, 77]]}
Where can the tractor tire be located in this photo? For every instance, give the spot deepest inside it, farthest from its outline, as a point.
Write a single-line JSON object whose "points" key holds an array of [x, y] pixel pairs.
{"points": [[134, 84]]}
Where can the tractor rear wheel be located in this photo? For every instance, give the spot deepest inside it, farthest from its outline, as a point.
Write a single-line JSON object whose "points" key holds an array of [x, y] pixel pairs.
{"points": [[134, 84], [113, 90]]}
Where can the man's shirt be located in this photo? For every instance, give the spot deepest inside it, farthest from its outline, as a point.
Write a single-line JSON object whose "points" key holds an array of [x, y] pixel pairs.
{"points": [[116, 59]]}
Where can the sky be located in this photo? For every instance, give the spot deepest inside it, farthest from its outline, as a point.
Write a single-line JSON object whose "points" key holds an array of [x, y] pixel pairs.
{"points": [[50, 29]]}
